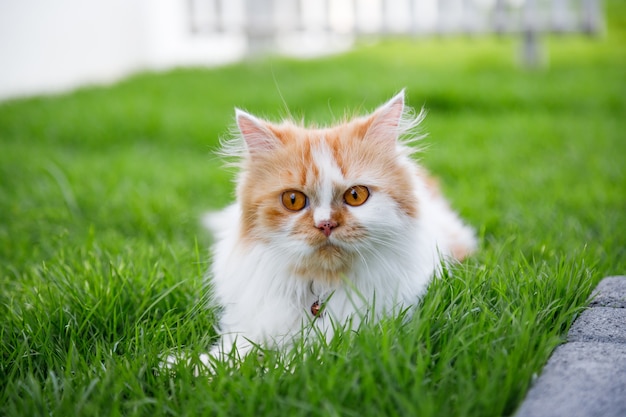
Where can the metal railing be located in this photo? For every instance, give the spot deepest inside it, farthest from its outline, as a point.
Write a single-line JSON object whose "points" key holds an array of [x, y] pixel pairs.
{"points": [[265, 21]]}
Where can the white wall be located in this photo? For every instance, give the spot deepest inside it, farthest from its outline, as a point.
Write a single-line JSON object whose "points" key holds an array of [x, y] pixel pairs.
{"points": [[55, 45]]}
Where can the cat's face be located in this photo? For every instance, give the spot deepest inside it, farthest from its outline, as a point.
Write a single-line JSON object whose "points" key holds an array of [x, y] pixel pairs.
{"points": [[325, 196]]}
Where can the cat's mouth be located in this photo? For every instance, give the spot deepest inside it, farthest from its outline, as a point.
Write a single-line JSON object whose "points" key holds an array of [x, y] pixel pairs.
{"points": [[328, 244], [332, 255], [338, 241], [328, 261], [328, 247]]}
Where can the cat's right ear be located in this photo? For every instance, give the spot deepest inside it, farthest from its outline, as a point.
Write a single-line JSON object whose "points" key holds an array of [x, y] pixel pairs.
{"points": [[385, 122], [255, 133]]}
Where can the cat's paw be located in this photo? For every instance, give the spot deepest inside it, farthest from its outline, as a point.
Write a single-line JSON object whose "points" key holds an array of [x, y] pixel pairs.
{"points": [[202, 365]]}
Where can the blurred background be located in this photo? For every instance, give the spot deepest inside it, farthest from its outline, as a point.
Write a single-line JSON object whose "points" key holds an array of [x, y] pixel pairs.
{"points": [[51, 46]]}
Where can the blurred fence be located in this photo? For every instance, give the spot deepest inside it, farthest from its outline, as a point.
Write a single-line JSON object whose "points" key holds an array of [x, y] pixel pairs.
{"points": [[79, 42], [266, 22]]}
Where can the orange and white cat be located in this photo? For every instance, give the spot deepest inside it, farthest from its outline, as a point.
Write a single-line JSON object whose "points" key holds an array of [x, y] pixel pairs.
{"points": [[330, 225]]}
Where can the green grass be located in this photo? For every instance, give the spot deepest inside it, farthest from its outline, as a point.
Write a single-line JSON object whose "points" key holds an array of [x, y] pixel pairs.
{"points": [[102, 255]]}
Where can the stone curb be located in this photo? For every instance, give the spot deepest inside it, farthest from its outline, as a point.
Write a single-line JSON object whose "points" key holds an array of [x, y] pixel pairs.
{"points": [[586, 377]]}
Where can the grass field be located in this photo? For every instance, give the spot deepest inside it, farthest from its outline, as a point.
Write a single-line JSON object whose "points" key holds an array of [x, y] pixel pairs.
{"points": [[102, 255]]}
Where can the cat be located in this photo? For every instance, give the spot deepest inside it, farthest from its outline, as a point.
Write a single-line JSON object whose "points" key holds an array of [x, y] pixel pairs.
{"points": [[330, 225]]}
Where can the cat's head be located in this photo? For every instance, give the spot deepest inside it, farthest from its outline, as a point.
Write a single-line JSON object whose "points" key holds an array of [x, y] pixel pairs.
{"points": [[325, 197]]}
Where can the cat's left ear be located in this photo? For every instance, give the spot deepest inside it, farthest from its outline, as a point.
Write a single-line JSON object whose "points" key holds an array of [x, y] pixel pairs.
{"points": [[255, 132], [385, 121]]}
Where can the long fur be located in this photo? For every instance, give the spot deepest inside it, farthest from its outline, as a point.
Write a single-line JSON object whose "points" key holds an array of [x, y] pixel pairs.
{"points": [[271, 265]]}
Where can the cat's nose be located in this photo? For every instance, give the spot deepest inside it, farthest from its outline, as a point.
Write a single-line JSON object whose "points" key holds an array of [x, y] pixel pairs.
{"points": [[326, 226]]}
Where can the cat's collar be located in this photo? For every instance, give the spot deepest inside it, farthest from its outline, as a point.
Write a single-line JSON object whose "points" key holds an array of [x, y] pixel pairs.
{"points": [[317, 308]]}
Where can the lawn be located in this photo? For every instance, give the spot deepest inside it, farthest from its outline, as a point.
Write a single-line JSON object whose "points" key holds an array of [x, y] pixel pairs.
{"points": [[102, 255]]}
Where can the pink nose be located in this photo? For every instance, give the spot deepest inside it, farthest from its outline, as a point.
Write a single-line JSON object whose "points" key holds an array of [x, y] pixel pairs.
{"points": [[327, 227]]}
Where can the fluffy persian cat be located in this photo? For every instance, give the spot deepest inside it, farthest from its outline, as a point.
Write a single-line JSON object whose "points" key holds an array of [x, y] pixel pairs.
{"points": [[330, 225]]}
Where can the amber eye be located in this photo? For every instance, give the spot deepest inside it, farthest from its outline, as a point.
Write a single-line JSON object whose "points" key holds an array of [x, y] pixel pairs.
{"points": [[357, 195], [294, 200]]}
